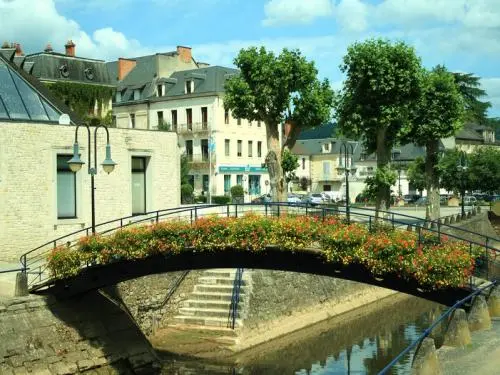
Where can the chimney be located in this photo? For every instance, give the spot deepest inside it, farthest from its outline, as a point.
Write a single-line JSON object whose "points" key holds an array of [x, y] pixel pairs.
{"points": [[70, 48], [184, 53], [124, 67], [48, 48], [5, 45], [19, 51]]}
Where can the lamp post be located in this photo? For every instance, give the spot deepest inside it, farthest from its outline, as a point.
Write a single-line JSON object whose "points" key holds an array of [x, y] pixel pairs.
{"points": [[462, 167], [75, 163], [346, 165]]}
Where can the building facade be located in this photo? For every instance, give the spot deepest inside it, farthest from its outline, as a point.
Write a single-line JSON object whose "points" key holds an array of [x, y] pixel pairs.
{"points": [[222, 151], [40, 198]]}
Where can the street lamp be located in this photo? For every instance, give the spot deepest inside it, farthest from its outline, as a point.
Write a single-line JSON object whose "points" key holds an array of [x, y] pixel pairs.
{"points": [[346, 165], [462, 166], [75, 163]]}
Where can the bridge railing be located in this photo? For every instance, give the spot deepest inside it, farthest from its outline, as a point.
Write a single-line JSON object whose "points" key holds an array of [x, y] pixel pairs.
{"points": [[35, 264], [416, 344]]}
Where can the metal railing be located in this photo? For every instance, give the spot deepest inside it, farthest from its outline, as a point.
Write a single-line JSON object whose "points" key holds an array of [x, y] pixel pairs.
{"points": [[194, 127], [35, 264], [416, 344], [235, 298]]}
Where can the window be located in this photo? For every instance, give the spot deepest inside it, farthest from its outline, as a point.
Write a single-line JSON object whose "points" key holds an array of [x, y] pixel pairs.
{"points": [[259, 149], [326, 147], [326, 168], [113, 121], [238, 121], [138, 185], [227, 148], [137, 94], [239, 179], [174, 119], [204, 149], [226, 116], [204, 117], [303, 163], [66, 189], [191, 180], [327, 187], [254, 184], [160, 90], [189, 118], [160, 117], [206, 185], [227, 183], [258, 123], [189, 87], [132, 120], [239, 151], [118, 97], [250, 147], [189, 150]]}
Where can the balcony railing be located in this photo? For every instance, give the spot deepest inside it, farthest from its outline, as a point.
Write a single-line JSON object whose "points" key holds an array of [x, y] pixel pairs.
{"points": [[195, 127], [202, 158], [366, 173]]}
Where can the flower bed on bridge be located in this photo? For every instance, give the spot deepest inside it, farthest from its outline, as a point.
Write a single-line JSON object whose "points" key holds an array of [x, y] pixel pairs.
{"points": [[433, 264]]}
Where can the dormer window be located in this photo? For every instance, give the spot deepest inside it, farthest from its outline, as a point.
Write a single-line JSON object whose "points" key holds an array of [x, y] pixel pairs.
{"points": [[118, 96], [137, 94], [64, 70], [326, 147], [160, 90], [89, 73], [189, 86]]}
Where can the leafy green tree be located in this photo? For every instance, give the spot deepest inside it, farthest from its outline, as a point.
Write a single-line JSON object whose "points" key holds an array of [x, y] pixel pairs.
{"points": [[184, 169], [438, 114], [469, 87], [416, 174], [383, 82], [289, 163], [278, 89], [494, 123], [484, 169], [451, 177]]}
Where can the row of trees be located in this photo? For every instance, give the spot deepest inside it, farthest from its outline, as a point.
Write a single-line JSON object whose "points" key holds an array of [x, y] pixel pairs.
{"points": [[387, 99]]}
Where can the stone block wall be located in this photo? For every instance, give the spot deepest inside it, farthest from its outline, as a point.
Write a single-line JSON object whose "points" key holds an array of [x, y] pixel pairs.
{"points": [[85, 335]]}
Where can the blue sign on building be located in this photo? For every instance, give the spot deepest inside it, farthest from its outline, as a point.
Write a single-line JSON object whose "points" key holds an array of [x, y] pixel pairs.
{"points": [[238, 168]]}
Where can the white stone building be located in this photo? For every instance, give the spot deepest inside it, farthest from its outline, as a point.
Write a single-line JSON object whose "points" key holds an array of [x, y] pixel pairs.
{"points": [[40, 198], [187, 98]]}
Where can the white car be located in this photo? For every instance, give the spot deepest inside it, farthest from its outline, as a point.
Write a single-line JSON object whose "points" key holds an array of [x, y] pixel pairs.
{"points": [[314, 199], [292, 198]]}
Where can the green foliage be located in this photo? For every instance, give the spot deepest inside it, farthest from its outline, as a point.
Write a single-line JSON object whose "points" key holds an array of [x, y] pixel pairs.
{"points": [[469, 87], [81, 98], [237, 191], [451, 177], [384, 178], [164, 126], [221, 199], [439, 109], [431, 264], [289, 163], [304, 182], [108, 120], [184, 169], [416, 173], [201, 199], [494, 123], [383, 83], [186, 193], [484, 170]]}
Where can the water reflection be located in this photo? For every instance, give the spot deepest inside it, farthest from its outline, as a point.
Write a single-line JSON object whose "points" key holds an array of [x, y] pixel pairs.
{"points": [[364, 345]]}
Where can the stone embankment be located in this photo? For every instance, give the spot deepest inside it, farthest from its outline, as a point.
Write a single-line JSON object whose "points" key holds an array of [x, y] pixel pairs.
{"points": [[88, 334]]}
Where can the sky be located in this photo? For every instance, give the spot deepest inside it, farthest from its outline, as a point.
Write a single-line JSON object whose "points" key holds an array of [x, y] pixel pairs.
{"points": [[464, 35]]}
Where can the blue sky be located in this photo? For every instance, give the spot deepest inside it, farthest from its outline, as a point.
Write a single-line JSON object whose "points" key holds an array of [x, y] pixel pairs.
{"points": [[462, 34]]}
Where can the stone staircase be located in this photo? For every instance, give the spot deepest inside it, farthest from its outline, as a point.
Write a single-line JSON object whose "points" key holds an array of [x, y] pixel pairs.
{"points": [[210, 302]]}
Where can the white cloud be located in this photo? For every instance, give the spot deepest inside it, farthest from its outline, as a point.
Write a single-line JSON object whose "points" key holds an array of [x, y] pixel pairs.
{"points": [[492, 87], [279, 12], [352, 15]]}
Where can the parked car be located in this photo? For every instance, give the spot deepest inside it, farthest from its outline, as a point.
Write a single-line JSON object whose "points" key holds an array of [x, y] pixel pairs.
{"points": [[470, 200], [313, 199], [262, 199], [422, 201], [411, 198], [292, 198]]}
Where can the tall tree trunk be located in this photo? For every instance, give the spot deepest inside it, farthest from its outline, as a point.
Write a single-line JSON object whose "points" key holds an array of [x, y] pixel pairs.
{"points": [[383, 200], [273, 163], [432, 211]]}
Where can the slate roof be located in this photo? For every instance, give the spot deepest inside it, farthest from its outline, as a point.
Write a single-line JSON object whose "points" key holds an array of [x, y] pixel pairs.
{"points": [[320, 132], [209, 79], [23, 97], [50, 66], [469, 135]]}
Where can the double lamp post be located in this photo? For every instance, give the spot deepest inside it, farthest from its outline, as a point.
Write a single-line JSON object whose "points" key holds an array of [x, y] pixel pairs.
{"points": [[346, 165], [75, 163]]}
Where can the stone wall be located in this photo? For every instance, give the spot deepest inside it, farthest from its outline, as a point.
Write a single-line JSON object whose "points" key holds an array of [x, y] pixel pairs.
{"points": [[86, 335]]}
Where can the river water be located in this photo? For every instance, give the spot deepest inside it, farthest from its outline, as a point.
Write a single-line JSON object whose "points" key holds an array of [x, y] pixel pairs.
{"points": [[360, 344]]}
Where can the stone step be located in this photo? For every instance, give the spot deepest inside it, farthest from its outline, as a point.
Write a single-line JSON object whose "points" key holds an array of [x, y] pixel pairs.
{"points": [[214, 296], [207, 304], [218, 288], [211, 280], [199, 312], [229, 273], [204, 321], [222, 331]]}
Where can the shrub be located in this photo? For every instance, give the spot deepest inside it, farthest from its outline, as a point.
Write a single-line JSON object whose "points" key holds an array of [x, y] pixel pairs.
{"points": [[201, 199], [237, 191], [221, 199], [186, 193], [164, 126]]}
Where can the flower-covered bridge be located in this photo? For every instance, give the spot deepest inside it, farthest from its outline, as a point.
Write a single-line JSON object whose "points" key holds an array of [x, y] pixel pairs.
{"points": [[396, 251]]}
